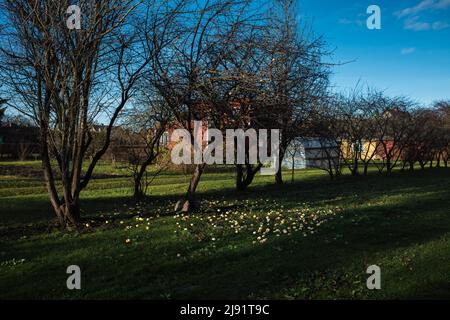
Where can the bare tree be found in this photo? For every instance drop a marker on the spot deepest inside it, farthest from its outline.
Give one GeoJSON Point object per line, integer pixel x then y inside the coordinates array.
{"type": "Point", "coordinates": [429, 136]}
{"type": "Point", "coordinates": [355, 124]}
{"type": "Point", "coordinates": [325, 125]}
{"type": "Point", "coordinates": [351, 128]}
{"type": "Point", "coordinates": [293, 151]}
{"type": "Point", "coordinates": [183, 66]}
{"type": "Point", "coordinates": [418, 145]}
{"type": "Point", "coordinates": [392, 121]}
{"type": "Point", "coordinates": [2, 110]}
{"type": "Point", "coordinates": [144, 127]}
{"type": "Point", "coordinates": [237, 90]}
{"type": "Point", "coordinates": [298, 75]}
{"type": "Point", "coordinates": [443, 109]}
{"type": "Point", "coordinates": [67, 79]}
{"type": "Point", "coordinates": [370, 101]}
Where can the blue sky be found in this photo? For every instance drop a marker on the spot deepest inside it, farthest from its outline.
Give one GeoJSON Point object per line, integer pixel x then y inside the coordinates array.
{"type": "Point", "coordinates": [410, 55]}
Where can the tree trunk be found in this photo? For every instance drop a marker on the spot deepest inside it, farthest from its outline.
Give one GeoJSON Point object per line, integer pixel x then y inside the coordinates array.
{"type": "Point", "coordinates": [293, 170]}
{"type": "Point", "coordinates": [279, 177]}
{"type": "Point", "coordinates": [244, 178]}
{"type": "Point", "coordinates": [388, 165]}
{"type": "Point", "coordinates": [189, 202]}
{"type": "Point", "coordinates": [355, 165]}
{"type": "Point", "coordinates": [331, 173]}
{"type": "Point", "coordinates": [330, 168]}
{"type": "Point", "coordinates": [279, 174]}
{"type": "Point", "coordinates": [67, 210]}
{"type": "Point", "coordinates": [366, 168]}
{"type": "Point", "coordinates": [404, 166]}
{"type": "Point", "coordinates": [69, 215]}
{"type": "Point", "coordinates": [422, 164]}
{"type": "Point", "coordinates": [240, 177]}
{"type": "Point", "coordinates": [138, 194]}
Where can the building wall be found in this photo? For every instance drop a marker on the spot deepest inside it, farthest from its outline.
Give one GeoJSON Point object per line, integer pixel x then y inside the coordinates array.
{"type": "Point", "coordinates": [310, 153]}
{"type": "Point", "coordinates": [367, 150]}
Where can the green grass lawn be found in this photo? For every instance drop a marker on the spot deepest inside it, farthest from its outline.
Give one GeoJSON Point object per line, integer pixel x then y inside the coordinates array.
{"type": "Point", "coordinates": [313, 239]}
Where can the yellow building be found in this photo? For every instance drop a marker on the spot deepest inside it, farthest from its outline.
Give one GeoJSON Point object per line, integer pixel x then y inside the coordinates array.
{"type": "Point", "coordinates": [367, 150]}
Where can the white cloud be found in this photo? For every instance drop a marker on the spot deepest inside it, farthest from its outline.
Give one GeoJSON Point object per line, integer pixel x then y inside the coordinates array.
{"type": "Point", "coordinates": [406, 51]}
{"type": "Point", "coordinates": [424, 5]}
{"type": "Point", "coordinates": [440, 25]}
{"type": "Point", "coordinates": [415, 25]}
{"type": "Point", "coordinates": [442, 4]}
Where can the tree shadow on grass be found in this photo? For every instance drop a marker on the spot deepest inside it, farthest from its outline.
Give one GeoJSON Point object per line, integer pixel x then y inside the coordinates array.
{"type": "Point", "coordinates": [285, 267]}
{"type": "Point", "coordinates": [314, 190]}
{"type": "Point", "coordinates": [287, 263]}
{"type": "Point", "coordinates": [288, 267]}
{"type": "Point", "coordinates": [37, 216]}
